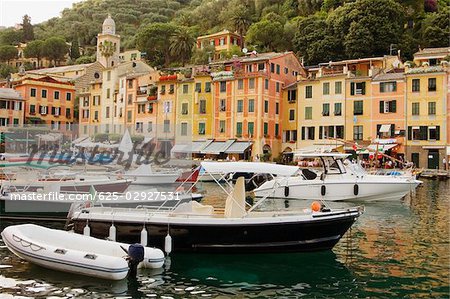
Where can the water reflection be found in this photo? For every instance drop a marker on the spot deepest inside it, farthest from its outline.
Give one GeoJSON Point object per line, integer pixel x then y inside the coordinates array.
{"type": "Point", "coordinates": [396, 249]}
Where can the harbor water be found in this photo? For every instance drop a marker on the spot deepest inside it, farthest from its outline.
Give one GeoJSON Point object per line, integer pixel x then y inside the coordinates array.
{"type": "Point", "coordinates": [394, 250]}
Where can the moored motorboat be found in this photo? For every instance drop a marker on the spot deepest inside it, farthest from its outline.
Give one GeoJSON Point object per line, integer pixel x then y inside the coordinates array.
{"type": "Point", "coordinates": [53, 204]}
{"type": "Point", "coordinates": [74, 253]}
{"type": "Point", "coordinates": [338, 181]}
{"type": "Point", "coordinates": [145, 175]}
{"type": "Point", "coordinates": [238, 228]}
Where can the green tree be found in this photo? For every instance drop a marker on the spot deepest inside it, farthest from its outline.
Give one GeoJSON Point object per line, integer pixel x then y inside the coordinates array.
{"type": "Point", "coordinates": [381, 20]}
{"type": "Point", "coordinates": [181, 44]}
{"type": "Point", "coordinates": [238, 17]}
{"type": "Point", "coordinates": [203, 56]}
{"type": "Point", "coordinates": [27, 28]}
{"type": "Point", "coordinates": [149, 40]}
{"type": "Point", "coordinates": [107, 49]}
{"type": "Point", "coordinates": [266, 35]}
{"type": "Point", "coordinates": [358, 42]}
{"type": "Point", "coordinates": [7, 52]}
{"type": "Point", "coordinates": [6, 70]}
{"type": "Point", "coordinates": [10, 36]}
{"type": "Point", "coordinates": [35, 49]}
{"type": "Point", "coordinates": [84, 59]}
{"type": "Point", "coordinates": [74, 50]}
{"type": "Point", "coordinates": [55, 49]}
{"type": "Point", "coordinates": [435, 29]}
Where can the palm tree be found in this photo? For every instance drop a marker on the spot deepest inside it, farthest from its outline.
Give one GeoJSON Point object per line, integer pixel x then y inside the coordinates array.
{"type": "Point", "coordinates": [107, 49]}
{"type": "Point", "coordinates": [181, 44]}
{"type": "Point", "coordinates": [240, 20]}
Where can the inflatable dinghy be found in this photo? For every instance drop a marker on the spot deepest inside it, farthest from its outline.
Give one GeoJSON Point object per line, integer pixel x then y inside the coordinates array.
{"type": "Point", "coordinates": [74, 253]}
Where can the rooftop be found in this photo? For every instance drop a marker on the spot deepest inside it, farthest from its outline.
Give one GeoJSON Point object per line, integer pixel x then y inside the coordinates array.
{"type": "Point", "coordinates": [62, 69]}
{"type": "Point", "coordinates": [10, 94]}
{"type": "Point", "coordinates": [389, 77]}
{"type": "Point", "coordinates": [223, 32]}
{"type": "Point", "coordinates": [435, 52]}
{"type": "Point", "coordinates": [252, 57]}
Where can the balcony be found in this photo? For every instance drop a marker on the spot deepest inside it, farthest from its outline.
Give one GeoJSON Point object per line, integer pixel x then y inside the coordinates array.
{"type": "Point", "coordinates": [424, 69]}
{"type": "Point", "coordinates": [141, 92]}
{"type": "Point", "coordinates": [223, 75]}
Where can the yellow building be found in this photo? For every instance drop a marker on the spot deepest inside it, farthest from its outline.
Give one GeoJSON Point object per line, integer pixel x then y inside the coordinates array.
{"type": "Point", "coordinates": [203, 119]}
{"type": "Point", "coordinates": [184, 109]}
{"type": "Point", "coordinates": [289, 117]}
{"type": "Point", "coordinates": [167, 113]}
{"type": "Point", "coordinates": [221, 41]}
{"type": "Point", "coordinates": [11, 108]}
{"type": "Point", "coordinates": [426, 106]}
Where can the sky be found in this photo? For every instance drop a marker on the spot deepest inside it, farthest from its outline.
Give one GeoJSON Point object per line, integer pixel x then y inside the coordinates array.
{"type": "Point", "coordinates": [12, 11]}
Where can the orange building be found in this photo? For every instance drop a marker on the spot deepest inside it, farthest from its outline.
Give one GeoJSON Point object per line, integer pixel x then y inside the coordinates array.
{"type": "Point", "coordinates": [221, 41]}
{"type": "Point", "coordinates": [47, 101]}
{"type": "Point", "coordinates": [247, 97]}
{"type": "Point", "coordinates": [11, 108]}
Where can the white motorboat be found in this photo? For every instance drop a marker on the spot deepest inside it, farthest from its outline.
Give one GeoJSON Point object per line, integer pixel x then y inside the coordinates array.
{"type": "Point", "coordinates": [338, 181]}
{"type": "Point", "coordinates": [240, 227]}
{"type": "Point", "coordinates": [67, 181]}
{"type": "Point", "coordinates": [74, 253]}
{"type": "Point", "coordinates": [51, 203]}
{"type": "Point", "coordinates": [145, 175]}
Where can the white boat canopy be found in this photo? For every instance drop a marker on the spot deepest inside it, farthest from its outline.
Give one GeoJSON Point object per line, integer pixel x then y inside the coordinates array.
{"type": "Point", "coordinates": [249, 167]}
{"type": "Point", "coordinates": [318, 155]}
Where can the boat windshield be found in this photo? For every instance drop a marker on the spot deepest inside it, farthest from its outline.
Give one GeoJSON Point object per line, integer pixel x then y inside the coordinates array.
{"type": "Point", "coordinates": [334, 166]}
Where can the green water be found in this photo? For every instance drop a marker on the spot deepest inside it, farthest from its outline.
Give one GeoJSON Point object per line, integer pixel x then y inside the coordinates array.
{"type": "Point", "coordinates": [395, 250]}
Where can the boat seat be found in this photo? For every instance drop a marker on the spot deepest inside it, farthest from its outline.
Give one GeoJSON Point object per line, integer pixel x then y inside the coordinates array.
{"type": "Point", "coordinates": [194, 208]}
{"type": "Point", "coordinates": [309, 174]}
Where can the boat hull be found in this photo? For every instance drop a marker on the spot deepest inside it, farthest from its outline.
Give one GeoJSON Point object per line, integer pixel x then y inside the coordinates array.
{"type": "Point", "coordinates": [58, 210]}
{"type": "Point", "coordinates": [338, 190]}
{"type": "Point", "coordinates": [119, 186]}
{"type": "Point", "coordinates": [153, 179]}
{"type": "Point", "coordinates": [235, 237]}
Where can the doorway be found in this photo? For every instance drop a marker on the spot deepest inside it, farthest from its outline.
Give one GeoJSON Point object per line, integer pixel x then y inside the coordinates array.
{"type": "Point", "coordinates": [433, 159]}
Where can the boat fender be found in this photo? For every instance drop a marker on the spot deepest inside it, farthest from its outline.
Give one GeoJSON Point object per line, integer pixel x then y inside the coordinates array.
{"type": "Point", "coordinates": [316, 206]}
{"type": "Point", "coordinates": [144, 237]}
{"type": "Point", "coordinates": [135, 256]}
{"type": "Point", "coordinates": [168, 244]}
{"type": "Point", "coordinates": [323, 190]}
{"type": "Point", "coordinates": [112, 233]}
{"type": "Point", "coordinates": [286, 191]}
{"type": "Point", "coordinates": [87, 230]}
{"type": "Point", "coordinates": [355, 189]}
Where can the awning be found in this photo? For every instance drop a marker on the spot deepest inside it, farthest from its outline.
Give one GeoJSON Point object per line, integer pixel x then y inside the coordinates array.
{"type": "Point", "coordinates": [217, 147]}
{"type": "Point", "coordinates": [385, 129]}
{"type": "Point", "coordinates": [239, 147]}
{"type": "Point", "coordinates": [319, 148]}
{"type": "Point", "coordinates": [194, 147]}
{"type": "Point", "coordinates": [249, 167]}
{"type": "Point", "coordinates": [381, 147]}
{"type": "Point", "coordinates": [80, 139]}
{"type": "Point", "coordinates": [180, 148]}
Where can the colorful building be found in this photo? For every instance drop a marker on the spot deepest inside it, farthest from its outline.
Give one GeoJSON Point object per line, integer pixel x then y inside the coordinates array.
{"type": "Point", "coordinates": [426, 108]}
{"type": "Point", "coordinates": [11, 108]}
{"type": "Point", "coordinates": [47, 101]}
{"type": "Point", "coordinates": [166, 118]}
{"type": "Point", "coordinates": [221, 41]}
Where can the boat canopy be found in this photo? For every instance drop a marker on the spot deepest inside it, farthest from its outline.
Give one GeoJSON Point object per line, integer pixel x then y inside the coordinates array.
{"type": "Point", "coordinates": [249, 167]}
{"type": "Point", "coordinates": [318, 155]}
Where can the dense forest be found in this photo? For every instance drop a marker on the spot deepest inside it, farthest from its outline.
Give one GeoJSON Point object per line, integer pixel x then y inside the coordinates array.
{"type": "Point", "coordinates": [317, 30]}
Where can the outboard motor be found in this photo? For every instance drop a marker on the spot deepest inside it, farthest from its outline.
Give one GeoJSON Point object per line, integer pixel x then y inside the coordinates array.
{"type": "Point", "coordinates": [135, 256]}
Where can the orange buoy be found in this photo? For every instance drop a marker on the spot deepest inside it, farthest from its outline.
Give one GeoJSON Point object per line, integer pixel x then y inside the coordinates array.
{"type": "Point", "coordinates": [316, 206]}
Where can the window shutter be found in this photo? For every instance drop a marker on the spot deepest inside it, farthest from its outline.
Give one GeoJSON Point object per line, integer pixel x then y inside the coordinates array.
{"type": "Point", "coordinates": [352, 88]}
{"type": "Point", "coordinates": [423, 133]}
{"type": "Point", "coordinates": [378, 129]}
{"type": "Point", "coordinates": [381, 106]}
{"type": "Point", "coordinates": [320, 132]}
{"type": "Point", "coordinates": [438, 133]}
{"type": "Point", "coordinates": [392, 130]}
{"type": "Point", "coordinates": [409, 133]}
{"type": "Point", "coordinates": [394, 106]}
{"type": "Point", "coordinates": [303, 133]}
{"type": "Point", "coordinates": [363, 88]}
{"type": "Point", "coordinates": [53, 110]}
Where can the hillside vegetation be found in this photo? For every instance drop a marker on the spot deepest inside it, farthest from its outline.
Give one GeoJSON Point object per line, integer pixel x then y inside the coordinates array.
{"type": "Point", "coordinates": [317, 30]}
